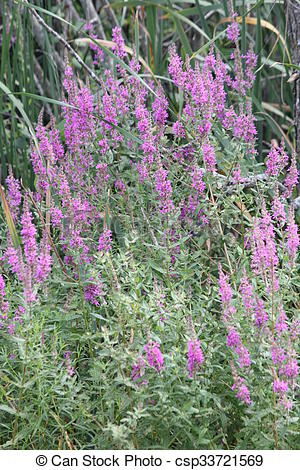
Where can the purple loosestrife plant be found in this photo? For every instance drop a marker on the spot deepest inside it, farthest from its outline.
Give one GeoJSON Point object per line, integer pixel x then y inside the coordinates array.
{"type": "Point", "coordinates": [153, 222]}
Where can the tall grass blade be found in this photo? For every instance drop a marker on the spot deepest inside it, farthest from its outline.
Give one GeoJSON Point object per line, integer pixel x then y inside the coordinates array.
{"type": "Point", "coordinates": [9, 220]}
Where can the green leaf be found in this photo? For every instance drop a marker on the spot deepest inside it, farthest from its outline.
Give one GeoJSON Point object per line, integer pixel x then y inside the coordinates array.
{"type": "Point", "coordinates": [156, 267]}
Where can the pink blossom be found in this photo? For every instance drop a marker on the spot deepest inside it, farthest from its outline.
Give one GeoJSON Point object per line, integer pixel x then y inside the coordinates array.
{"type": "Point", "coordinates": [233, 31]}
{"type": "Point", "coordinates": [15, 260]}
{"type": "Point", "coordinates": [209, 157]}
{"type": "Point", "coordinates": [233, 338]}
{"type": "Point", "coordinates": [292, 243]}
{"type": "Point", "coordinates": [292, 176]}
{"type": "Point", "coordinates": [280, 386]}
{"type": "Point", "coordinates": [243, 356]}
{"type": "Point", "coordinates": [56, 216]}
{"type": "Point", "coordinates": [138, 370]}
{"type": "Point", "coordinates": [281, 323]}
{"type": "Point", "coordinates": [93, 291]}
{"type": "Point", "coordinates": [175, 67]}
{"type": "Point", "coordinates": [244, 127]}
{"type": "Point", "coordinates": [119, 46]}
{"type": "Point", "coordinates": [250, 60]}
{"type": "Point", "coordinates": [264, 259]}
{"type": "Point", "coordinates": [242, 392]}
{"type": "Point", "coordinates": [278, 210]}
{"type": "Point", "coordinates": [154, 356]}
{"type": "Point", "coordinates": [14, 197]}
{"type": "Point", "coordinates": [195, 356]}
{"type": "Point", "coordinates": [178, 129]}
{"type": "Point", "coordinates": [4, 305]}
{"type": "Point", "coordinates": [228, 118]}
{"type": "Point", "coordinates": [120, 186]}
{"type": "Point", "coordinates": [278, 354]}
{"type": "Point", "coordinates": [68, 363]}
{"type": "Point", "coordinates": [159, 107]}
{"type": "Point", "coordinates": [277, 159]}
{"type": "Point", "coordinates": [164, 189]}
{"type": "Point", "coordinates": [226, 295]}
{"type": "Point", "coordinates": [44, 260]}
{"type": "Point", "coordinates": [28, 233]}
{"type": "Point", "coordinates": [246, 290]}
{"type": "Point", "coordinates": [261, 316]}
{"type": "Point", "coordinates": [291, 368]}
{"type": "Point", "coordinates": [105, 240]}
{"type": "Point", "coordinates": [197, 180]}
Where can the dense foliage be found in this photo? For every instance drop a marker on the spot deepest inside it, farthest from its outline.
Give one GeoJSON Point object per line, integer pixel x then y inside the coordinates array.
{"type": "Point", "coordinates": [149, 292]}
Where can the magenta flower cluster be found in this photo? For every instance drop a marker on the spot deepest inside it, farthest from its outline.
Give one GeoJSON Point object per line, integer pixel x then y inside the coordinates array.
{"type": "Point", "coordinates": [33, 265]}
{"type": "Point", "coordinates": [10, 319]}
{"type": "Point", "coordinates": [267, 316]}
{"type": "Point", "coordinates": [195, 356]}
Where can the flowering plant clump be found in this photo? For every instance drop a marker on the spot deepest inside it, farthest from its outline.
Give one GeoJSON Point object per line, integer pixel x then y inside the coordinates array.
{"type": "Point", "coordinates": [146, 226]}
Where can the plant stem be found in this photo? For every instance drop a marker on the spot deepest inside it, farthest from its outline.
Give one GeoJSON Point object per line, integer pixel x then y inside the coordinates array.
{"type": "Point", "coordinates": [84, 312]}
{"type": "Point", "coordinates": [20, 395]}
